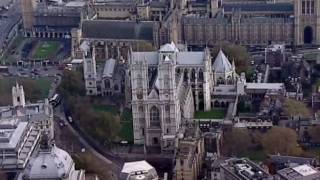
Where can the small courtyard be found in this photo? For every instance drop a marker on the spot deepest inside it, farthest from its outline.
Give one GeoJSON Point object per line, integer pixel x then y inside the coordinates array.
{"type": "Point", "coordinates": [46, 49]}
{"type": "Point", "coordinates": [213, 114]}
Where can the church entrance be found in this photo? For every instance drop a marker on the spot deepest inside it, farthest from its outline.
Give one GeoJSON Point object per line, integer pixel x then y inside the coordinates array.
{"type": "Point", "coordinates": [308, 35]}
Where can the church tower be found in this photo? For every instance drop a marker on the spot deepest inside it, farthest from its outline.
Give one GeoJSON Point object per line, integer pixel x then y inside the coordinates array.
{"type": "Point", "coordinates": [18, 98]}
{"type": "Point", "coordinates": [307, 22]}
{"type": "Point", "coordinates": [28, 7]}
{"type": "Point", "coordinates": [89, 68]}
{"type": "Point", "coordinates": [214, 5]}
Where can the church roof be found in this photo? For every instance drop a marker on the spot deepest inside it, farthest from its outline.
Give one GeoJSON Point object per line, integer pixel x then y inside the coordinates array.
{"type": "Point", "coordinates": [110, 29]}
{"type": "Point", "coordinates": [170, 47]}
{"type": "Point", "coordinates": [52, 164]}
{"type": "Point", "coordinates": [221, 63]}
{"type": "Point", "coordinates": [274, 7]}
{"type": "Point", "coordinates": [109, 68]}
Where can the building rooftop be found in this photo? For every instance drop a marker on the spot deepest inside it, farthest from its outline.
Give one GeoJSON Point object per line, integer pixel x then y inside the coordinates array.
{"type": "Point", "coordinates": [272, 7]}
{"type": "Point", "coordinates": [264, 86]}
{"type": "Point", "coordinates": [302, 172]}
{"type": "Point", "coordinates": [126, 30]}
{"type": "Point", "coordinates": [244, 169]}
{"type": "Point", "coordinates": [138, 170]}
{"type": "Point", "coordinates": [221, 63]}
{"type": "Point", "coordinates": [182, 57]}
{"type": "Point", "coordinates": [10, 137]}
{"type": "Point", "coordinates": [109, 68]}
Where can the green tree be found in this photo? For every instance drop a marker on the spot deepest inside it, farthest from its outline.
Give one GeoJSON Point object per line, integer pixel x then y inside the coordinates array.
{"type": "Point", "coordinates": [103, 126]}
{"type": "Point", "coordinates": [294, 108]}
{"type": "Point", "coordinates": [234, 52]}
{"type": "Point", "coordinates": [72, 84]}
{"type": "Point", "coordinates": [281, 140]}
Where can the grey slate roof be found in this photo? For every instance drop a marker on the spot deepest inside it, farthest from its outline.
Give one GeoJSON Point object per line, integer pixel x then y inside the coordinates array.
{"type": "Point", "coordinates": [221, 63]}
{"type": "Point", "coordinates": [290, 159]}
{"type": "Point", "coordinates": [277, 7]}
{"type": "Point", "coordinates": [106, 29]}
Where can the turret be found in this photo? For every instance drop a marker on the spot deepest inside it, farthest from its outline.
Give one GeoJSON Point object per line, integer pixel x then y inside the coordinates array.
{"type": "Point", "coordinates": [18, 98]}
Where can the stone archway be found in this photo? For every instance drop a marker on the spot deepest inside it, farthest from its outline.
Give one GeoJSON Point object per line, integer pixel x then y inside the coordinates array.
{"type": "Point", "coordinates": [308, 35]}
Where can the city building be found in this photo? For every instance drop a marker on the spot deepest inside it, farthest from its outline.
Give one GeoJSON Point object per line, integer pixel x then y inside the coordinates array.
{"type": "Point", "coordinates": [301, 172]}
{"type": "Point", "coordinates": [51, 162]}
{"type": "Point", "coordinates": [138, 170]}
{"type": "Point", "coordinates": [242, 169]}
{"type": "Point", "coordinates": [166, 87]}
{"type": "Point", "coordinates": [21, 125]}
{"type": "Point", "coordinates": [52, 19]}
{"type": "Point", "coordinates": [40, 114]}
{"type": "Point", "coordinates": [189, 155]}
{"type": "Point", "coordinates": [18, 140]}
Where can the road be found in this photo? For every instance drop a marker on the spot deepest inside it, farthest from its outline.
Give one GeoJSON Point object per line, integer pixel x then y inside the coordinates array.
{"type": "Point", "coordinates": [107, 158]}
{"type": "Point", "coordinates": [8, 19]}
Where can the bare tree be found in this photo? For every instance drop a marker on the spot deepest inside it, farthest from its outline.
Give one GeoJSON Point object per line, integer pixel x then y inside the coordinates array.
{"type": "Point", "coordinates": [281, 140]}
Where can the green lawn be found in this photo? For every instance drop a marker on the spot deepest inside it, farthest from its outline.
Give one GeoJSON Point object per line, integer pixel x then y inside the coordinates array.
{"type": "Point", "coordinates": [35, 89]}
{"type": "Point", "coordinates": [213, 114]}
{"type": "Point", "coordinates": [46, 49]}
{"type": "Point", "coordinates": [310, 56]}
{"type": "Point", "coordinates": [104, 108]}
{"type": "Point", "coordinates": [126, 132]}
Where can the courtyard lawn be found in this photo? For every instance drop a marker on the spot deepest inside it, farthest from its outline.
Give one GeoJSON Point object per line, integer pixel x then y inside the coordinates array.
{"type": "Point", "coordinates": [46, 49]}
{"type": "Point", "coordinates": [104, 108]}
{"type": "Point", "coordinates": [213, 114]}
{"type": "Point", "coordinates": [126, 132]}
{"type": "Point", "coordinates": [310, 56]}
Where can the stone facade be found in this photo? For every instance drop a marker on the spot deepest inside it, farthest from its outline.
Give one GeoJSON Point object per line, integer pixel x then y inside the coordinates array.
{"type": "Point", "coordinates": [168, 86]}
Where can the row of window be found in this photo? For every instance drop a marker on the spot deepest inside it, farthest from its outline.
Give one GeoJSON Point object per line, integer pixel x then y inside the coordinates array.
{"type": "Point", "coordinates": [307, 7]}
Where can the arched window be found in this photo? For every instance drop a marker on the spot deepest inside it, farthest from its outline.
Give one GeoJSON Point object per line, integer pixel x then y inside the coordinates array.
{"type": "Point", "coordinates": [116, 87]}
{"type": "Point", "coordinates": [107, 82]}
{"type": "Point", "coordinates": [200, 75]}
{"type": "Point", "coordinates": [154, 117]}
{"type": "Point", "coordinates": [220, 80]}
{"type": "Point", "coordinates": [167, 110]}
{"type": "Point", "coordinates": [139, 81]}
{"type": "Point", "coordinates": [141, 114]}
{"type": "Point", "coordinates": [166, 81]}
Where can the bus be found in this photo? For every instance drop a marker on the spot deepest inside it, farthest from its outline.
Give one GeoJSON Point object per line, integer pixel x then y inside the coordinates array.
{"type": "Point", "coordinates": [55, 100]}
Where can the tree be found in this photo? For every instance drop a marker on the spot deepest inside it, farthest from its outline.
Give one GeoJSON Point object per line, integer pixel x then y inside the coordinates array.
{"type": "Point", "coordinates": [234, 52]}
{"type": "Point", "coordinates": [236, 141]}
{"type": "Point", "coordinates": [72, 84]}
{"type": "Point", "coordinates": [281, 140]}
{"type": "Point", "coordinates": [101, 125]}
{"type": "Point", "coordinates": [294, 108]}
{"type": "Point", "coordinates": [314, 133]}
{"type": "Point", "coordinates": [32, 90]}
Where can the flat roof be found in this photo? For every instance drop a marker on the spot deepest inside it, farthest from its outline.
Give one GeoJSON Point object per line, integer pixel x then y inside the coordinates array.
{"type": "Point", "coordinates": [77, 61]}
{"type": "Point", "coordinates": [265, 86]}
{"type": "Point", "coordinates": [305, 170]}
{"type": "Point", "coordinates": [75, 4]}
{"type": "Point", "coordinates": [130, 167]}
{"type": "Point", "coordinates": [13, 135]}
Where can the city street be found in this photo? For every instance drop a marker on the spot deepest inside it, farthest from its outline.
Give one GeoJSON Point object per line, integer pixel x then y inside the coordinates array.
{"type": "Point", "coordinates": [8, 19]}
